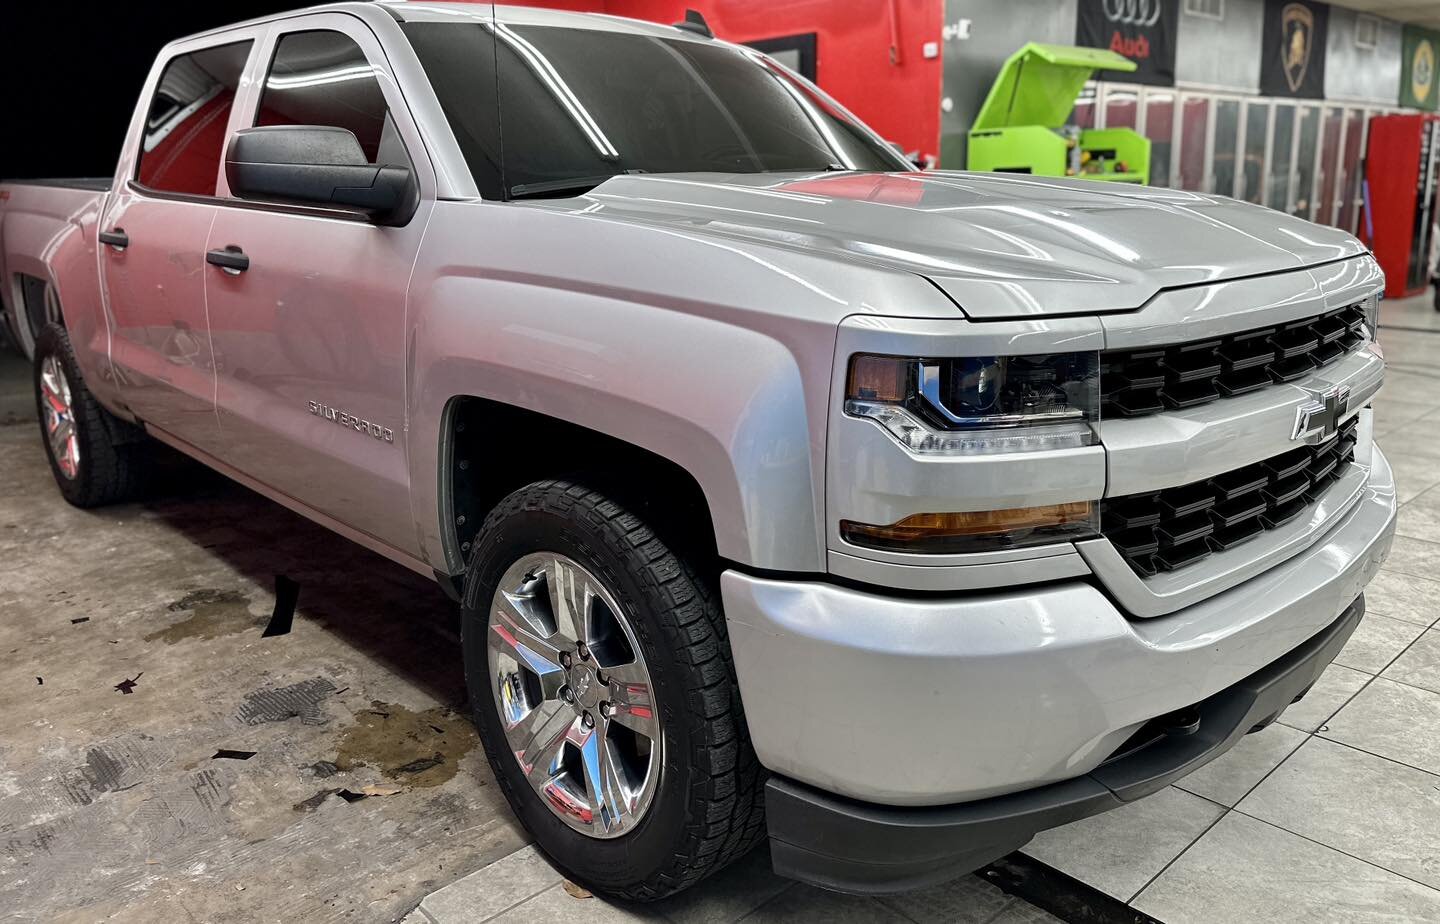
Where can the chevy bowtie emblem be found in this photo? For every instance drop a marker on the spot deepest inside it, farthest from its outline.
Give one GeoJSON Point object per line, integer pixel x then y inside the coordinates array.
{"type": "Point", "coordinates": [1317, 419]}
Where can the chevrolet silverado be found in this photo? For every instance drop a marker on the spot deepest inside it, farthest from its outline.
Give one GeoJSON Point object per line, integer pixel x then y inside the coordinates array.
{"type": "Point", "coordinates": [788, 492]}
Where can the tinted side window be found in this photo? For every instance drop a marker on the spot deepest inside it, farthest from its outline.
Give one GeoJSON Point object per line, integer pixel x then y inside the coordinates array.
{"type": "Point", "coordinates": [323, 78]}
{"type": "Point", "coordinates": [185, 126]}
{"type": "Point", "coordinates": [459, 59]}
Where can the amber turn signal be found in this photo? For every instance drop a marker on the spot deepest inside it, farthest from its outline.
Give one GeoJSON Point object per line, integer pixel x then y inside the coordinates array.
{"type": "Point", "coordinates": [978, 530]}
{"type": "Point", "coordinates": [879, 378]}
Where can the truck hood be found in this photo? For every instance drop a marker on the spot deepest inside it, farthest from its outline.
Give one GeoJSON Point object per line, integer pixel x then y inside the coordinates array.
{"type": "Point", "coordinates": [1001, 246]}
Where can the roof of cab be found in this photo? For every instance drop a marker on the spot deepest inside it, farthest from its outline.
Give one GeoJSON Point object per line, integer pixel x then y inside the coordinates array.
{"type": "Point", "coordinates": [477, 12]}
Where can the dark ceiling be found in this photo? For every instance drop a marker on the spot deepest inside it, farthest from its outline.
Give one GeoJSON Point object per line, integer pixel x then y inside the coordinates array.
{"type": "Point", "coordinates": [70, 73]}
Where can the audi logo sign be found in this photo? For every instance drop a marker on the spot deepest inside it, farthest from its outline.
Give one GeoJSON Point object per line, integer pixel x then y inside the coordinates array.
{"type": "Point", "coordinates": [1141, 30]}
{"type": "Point", "coordinates": [1142, 13]}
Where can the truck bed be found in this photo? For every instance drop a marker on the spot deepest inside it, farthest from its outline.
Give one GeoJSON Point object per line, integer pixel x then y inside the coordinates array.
{"type": "Point", "coordinates": [91, 183]}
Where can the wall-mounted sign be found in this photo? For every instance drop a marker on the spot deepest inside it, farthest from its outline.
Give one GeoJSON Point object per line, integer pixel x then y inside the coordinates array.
{"type": "Point", "coordinates": [1292, 50]}
{"type": "Point", "coordinates": [1141, 30]}
{"type": "Point", "coordinates": [1419, 48]}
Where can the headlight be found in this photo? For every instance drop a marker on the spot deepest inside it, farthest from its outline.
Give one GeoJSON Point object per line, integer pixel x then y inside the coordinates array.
{"type": "Point", "coordinates": [983, 404]}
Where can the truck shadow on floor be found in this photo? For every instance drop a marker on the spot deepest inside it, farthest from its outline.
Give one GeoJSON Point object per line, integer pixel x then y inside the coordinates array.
{"type": "Point", "coordinates": [385, 611]}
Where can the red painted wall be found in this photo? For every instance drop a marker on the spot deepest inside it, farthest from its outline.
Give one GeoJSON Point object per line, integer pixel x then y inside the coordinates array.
{"type": "Point", "coordinates": [869, 53]}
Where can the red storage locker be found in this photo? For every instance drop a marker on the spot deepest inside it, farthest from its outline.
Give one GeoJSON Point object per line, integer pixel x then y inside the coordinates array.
{"type": "Point", "coordinates": [1401, 162]}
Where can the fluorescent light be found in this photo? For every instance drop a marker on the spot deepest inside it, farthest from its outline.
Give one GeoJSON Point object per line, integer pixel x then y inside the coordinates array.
{"type": "Point", "coordinates": [321, 78]}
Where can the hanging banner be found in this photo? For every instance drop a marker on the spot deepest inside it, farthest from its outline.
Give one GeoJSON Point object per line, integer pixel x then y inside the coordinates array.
{"type": "Point", "coordinates": [1292, 51]}
{"type": "Point", "coordinates": [1141, 30]}
{"type": "Point", "coordinates": [1417, 68]}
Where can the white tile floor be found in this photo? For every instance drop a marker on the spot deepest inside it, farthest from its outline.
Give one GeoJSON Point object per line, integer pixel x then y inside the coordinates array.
{"type": "Point", "coordinates": [1331, 814]}
{"type": "Point", "coordinates": [524, 887]}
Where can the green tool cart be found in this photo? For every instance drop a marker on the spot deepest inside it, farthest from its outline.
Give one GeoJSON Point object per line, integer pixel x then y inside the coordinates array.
{"type": "Point", "coordinates": [1021, 128]}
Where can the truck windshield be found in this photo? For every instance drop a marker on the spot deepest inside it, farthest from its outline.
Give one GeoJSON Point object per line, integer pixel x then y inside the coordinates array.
{"type": "Point", "coordinates": [571, 107]}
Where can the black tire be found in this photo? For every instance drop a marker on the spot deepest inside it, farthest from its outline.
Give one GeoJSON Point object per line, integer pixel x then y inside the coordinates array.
{"type": "Point", "coordinates": [110, 464]}
{"type": "Point", "coordinates": [708, 808]}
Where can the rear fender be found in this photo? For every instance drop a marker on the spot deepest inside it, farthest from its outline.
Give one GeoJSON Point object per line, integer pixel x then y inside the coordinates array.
{"type": "Point", "coordinates": [62, 251]}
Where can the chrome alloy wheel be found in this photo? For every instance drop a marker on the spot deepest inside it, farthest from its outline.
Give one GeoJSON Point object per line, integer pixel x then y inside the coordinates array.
{"type": "Point", "coordinates": [59, 417]}
{"type": "Point", "coordinates": [574, 695]}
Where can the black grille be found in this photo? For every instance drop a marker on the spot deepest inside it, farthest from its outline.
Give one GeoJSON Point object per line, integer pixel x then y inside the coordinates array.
{"type": "Point", "coordinates": [1167, 530]}
{"type": "Point", "coordinates": [1138, 382]}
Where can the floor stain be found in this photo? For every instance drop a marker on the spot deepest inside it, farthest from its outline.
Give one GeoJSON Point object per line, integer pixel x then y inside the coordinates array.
{"type": "Point", "coordinates": [103, 770]}
{"type": "Point", "coordinates": [38, 839]}
{"type": "Point", "coordinates": [322, 769]}
{"type": "Point", "coordinates": [419, 749]}
{"type": "Point", "coordinates": [208, 790]}
{"type": "Point", "coordinates": [301, 700]}
{"type": "Point", "coordinates": [213, 613]}
{"type": "Point", "coordinates": [111, 767]}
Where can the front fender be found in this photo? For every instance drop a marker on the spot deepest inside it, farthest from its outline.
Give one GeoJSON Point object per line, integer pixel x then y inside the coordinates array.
{"type": "Point", "coordinates": [724, 403]}
{"type": "Point", "coordinates": [710, 351]}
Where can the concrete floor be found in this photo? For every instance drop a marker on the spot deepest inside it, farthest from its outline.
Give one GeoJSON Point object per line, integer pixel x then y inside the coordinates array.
{"type": "Point", "coordinates": [17, 396]}
{"type": "Point", "coordinates": [115, 806]}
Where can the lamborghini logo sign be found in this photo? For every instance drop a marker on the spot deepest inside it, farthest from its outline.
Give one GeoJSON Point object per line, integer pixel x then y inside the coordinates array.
{"type": "Point", "coordinates": [1297, 25]}
{"type": "Point", "coordinates": [1422, 71]}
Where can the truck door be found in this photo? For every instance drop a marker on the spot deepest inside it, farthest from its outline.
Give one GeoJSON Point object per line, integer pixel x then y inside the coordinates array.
{"type": "Point", "coordinates": [309, 337]}
{"type": "Point", "coordinates": [153, 237]}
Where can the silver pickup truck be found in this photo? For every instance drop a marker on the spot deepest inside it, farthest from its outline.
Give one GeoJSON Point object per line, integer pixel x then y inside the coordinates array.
{"type": "Point", "coordinates": [788, 492]}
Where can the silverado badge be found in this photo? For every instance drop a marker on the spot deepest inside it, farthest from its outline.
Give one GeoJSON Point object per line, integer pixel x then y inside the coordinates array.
{"type": "Point", "coordinates": [357, 424]}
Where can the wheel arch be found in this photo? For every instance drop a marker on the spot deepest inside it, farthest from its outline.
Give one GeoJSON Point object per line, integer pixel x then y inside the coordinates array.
{"type": "Point", "coordinates": [39, 298]}
{"type": "Point", "coordinates": [26, 292]}
{"type": "Point", "coordinates": [473, 478]}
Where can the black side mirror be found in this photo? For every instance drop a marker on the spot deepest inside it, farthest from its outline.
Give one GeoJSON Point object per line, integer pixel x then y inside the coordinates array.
{"type": "Point", "coordinates": [316, 164]}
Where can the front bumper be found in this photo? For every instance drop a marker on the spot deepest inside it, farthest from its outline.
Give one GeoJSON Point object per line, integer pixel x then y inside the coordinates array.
{"type": "Point", "coordinates": [856, 847]}
{"type": "Point", "coordinates": [931, 701]}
